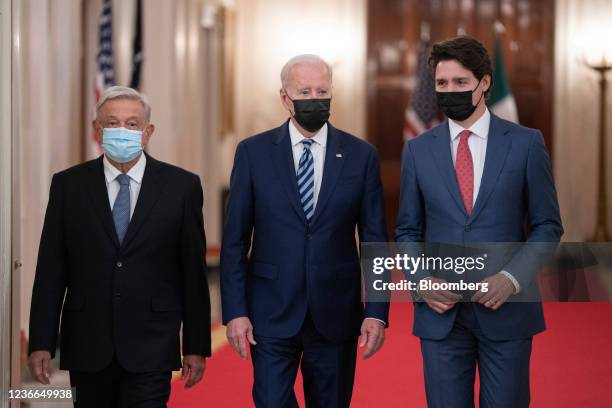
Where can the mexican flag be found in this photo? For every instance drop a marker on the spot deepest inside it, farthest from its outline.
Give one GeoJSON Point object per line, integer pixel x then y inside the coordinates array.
{"type": "Point", "coordinates": [501, 101]}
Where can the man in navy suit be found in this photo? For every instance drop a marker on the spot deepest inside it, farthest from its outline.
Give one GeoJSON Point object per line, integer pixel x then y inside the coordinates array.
{"type": "Point", "coordinates": [290, 271]}
{"type": "Point", "coordinates": [477, 178]}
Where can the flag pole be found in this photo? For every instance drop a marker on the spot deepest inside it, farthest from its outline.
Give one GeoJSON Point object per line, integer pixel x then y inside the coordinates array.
{"type": "Point", "coordinates": [425, 31]}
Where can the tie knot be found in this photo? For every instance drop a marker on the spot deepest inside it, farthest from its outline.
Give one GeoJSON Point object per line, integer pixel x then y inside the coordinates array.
{"type": "Point", "coordinates": [123, 179]}
{"type": "Point", "coordinates": [465, 134]}
{"type": "Point", "coordinates": [307, 143]}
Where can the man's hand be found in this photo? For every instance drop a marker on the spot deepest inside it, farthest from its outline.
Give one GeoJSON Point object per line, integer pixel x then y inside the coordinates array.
{"type": "Point", "coordinates": [499, 289]}
{"type": "Point", "coordinates": [39, 363]}
{"type": "Point", "coordinates": [372, 334]}
{"type": "Point", "coordinates": [193, 369]}
{"type": "Point", "coordinates": [239, 332]}
{"type": "Point", "coordinates": [439, 300]}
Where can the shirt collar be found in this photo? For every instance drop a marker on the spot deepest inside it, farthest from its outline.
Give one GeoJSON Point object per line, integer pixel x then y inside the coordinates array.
{"type": "Point", "coordinates": [297, 137]}
{"type": "Point", "coordinates": [136, 173]}
{"type": "Point", "coordinates": [480, 128]}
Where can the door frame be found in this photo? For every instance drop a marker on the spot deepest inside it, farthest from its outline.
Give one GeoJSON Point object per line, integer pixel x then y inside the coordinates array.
{"type": "Point", "coordinates": [6, 185]}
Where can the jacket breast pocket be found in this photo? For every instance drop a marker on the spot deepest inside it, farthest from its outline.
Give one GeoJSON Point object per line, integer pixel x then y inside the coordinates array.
{"type": "Point", "coordinates": [264, 270]}
{"type": "Point", "coordinates": [349, 270]}
{"type": "Point", "coordinates": [513, 168]}
{"type": "Point", "coordinates": [166, 304]}
{"type": "Point", "coordinates": [512, 175]}
{"type": "Point", "coordinates": [74, 303]}
{"type": "Point", "coordinates": [348, 180]}
{"type": "Point", "coordinates": [513, 171]}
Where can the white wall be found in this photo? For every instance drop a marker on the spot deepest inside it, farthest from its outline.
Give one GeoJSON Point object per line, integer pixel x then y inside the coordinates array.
{"type": "Point", "coordinates": [174, 78]}
{"type": "Point", "coordinates": [49, 117]}
{"type": "Point", "coordinates": [272, 31]}
{"type": "Point", "coordinates": [580, 25]}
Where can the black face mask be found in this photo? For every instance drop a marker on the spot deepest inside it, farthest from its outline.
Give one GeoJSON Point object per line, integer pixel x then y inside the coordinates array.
{"type": "Point", "coordinates": [457, 105]}
{"type": "Point", "coordinates": [311, 114]}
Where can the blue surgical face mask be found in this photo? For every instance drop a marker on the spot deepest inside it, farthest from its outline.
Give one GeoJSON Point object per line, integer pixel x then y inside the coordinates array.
{"type": "Point", "coordinates": [121, 144]}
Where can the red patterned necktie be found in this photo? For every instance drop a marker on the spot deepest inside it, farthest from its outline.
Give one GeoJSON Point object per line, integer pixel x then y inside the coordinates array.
{"type": "Point", "coordinates": [464, 169]}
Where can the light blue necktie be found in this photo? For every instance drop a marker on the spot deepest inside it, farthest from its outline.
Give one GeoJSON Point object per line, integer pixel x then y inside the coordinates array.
{"type": "Point", "coordinates": [121, 208]}
{"type": "Point", "coordinates": [305, 177]}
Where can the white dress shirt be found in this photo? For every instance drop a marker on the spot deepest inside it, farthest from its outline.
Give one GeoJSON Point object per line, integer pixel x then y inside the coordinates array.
{"type": "Point", "coordinates": [318, 154]}
{"type": "Point", "coordinates": [478, 147]}
{"type": "Point", "coordinates": [135, 174]}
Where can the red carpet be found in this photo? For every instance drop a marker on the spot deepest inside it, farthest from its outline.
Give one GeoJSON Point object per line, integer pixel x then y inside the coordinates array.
{"type": "Point", "coordinates": [571, 366]}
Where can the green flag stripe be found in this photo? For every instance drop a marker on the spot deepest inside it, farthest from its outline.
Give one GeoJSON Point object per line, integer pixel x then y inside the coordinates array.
{"type": "Point", "coordinates": [501, 86]}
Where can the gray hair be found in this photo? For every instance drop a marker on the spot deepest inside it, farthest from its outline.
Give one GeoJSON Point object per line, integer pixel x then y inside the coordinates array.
{"type": "Point", "coordinates": [299, 60]}
{"type": "Point", "coordinates": [123, 92]}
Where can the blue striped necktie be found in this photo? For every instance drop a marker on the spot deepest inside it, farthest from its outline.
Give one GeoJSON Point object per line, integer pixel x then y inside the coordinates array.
{"type": "Point", "coordinates": [121, 208]}
{"type": "Point", "coordinates": [305, 177]}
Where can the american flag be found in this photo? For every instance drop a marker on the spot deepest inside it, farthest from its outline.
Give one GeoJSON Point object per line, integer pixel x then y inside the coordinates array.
{"type": "Point", "coordinates": [137, 54]}
{"type": "Point", "coordinates": [422, 113]}
{"type": "Point", "coordinates": [105, 75]}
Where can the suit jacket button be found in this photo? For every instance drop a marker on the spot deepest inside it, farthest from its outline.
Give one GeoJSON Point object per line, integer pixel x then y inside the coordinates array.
{"type": "Point", "coordinates": [308, 236]}
{"type": "Point", "coordinates": [468, 228]}
{"type": "Point", "coordinates": [119, 264]}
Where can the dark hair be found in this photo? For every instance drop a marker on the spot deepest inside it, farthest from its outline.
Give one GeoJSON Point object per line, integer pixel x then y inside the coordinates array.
{"type": "Point", "coordinates": [468, 51]}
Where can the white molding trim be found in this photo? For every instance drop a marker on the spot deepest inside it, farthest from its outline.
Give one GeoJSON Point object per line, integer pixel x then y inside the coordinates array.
{"type": "Point", "coordinates": [6, 182]}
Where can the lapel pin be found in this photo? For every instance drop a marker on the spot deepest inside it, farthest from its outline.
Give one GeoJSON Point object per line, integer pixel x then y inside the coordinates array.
{"type": "Point", "coordinates": [338, 154]}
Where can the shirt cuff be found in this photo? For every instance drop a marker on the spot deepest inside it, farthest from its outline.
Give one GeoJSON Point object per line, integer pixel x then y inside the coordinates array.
{"type": "Point", "coordinates": [517, 287]}
{"type": "Point", "coordinates": [373, 318]}
{"type": "Point", "coordinates": [418, 296]}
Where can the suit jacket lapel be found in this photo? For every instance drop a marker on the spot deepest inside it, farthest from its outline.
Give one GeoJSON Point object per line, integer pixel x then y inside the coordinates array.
{"type": "Point", "coordinates": [332, 167]}
{"type": "Point", "coordinates": [152, 184]}
{"type": "Point", "coordinates": [498, 147]}
{"type": "Point", "coordinates": [441, 150]}
{"type": "Point", "coordinates": [99, 198]}
{"type": "Point", "coordinates": [282, 156]}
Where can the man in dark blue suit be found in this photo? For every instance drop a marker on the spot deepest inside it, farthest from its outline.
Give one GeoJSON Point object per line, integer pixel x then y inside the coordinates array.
{"type": "Point", "coordinates": [290, 271]}
{"type": "Point", "coordinates": [477, 178]}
